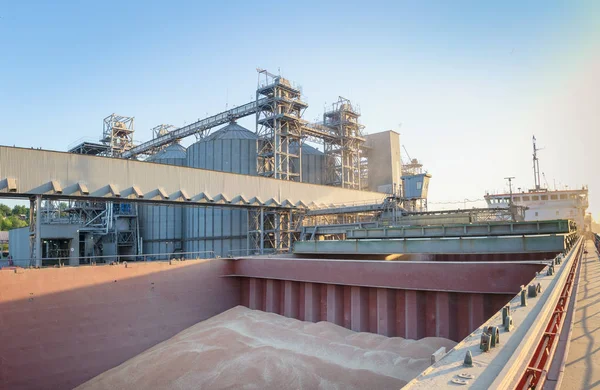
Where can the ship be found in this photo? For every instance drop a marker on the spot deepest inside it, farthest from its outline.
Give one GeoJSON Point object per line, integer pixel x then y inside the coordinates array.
{"type": "Point", "coordinates": [226, 265]}
{"type": "Point", "coordinates": [544, 204]}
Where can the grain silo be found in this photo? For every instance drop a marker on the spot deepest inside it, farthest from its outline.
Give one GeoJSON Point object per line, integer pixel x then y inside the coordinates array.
{"type": "Point", "coordinates": [313, 164]}
{"type": "Point", "coordinates": [161, 226]}
{"type": "Point", "coordinates": [220, 229]}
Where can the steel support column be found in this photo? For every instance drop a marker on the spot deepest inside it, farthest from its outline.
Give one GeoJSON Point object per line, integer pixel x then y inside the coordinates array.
{"type": "Point", "coordinates": [262, 231]}
{"type": "Point", "coordinates": [38, 230]}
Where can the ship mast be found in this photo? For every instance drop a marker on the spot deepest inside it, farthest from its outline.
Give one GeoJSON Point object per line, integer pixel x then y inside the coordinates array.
{"type": "Point", "coordinates": [536, 167]}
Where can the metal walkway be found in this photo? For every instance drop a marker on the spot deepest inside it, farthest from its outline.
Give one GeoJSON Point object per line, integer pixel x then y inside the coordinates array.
{"type": "Point", "coordinates": [582, 370]}
{"type": "Point", "coordinates": [467, 230]}
{"type": "Point", "coordinates": [471, 245]}
{"type": "Point", "coordinates": [499, 237]}
{"type": "Point", "coordinates": [197, 127]}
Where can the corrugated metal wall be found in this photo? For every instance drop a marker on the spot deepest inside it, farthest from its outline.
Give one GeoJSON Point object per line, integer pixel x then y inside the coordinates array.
{"type": "Point", "coordinates": [18, 246]}
{"type": "Point", "coordinates": [222, 230]}
{"type": "Point", "coordinates": [230, 149]}
{"type": "Point", "coordinates": [161, 227]}
{"type": "Point", "coordinates": [313, 165]}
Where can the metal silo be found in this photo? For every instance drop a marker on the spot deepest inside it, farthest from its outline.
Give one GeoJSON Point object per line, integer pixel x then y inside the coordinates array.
{"type": "Point", "coordinates": [174, 154]}
{"type": "Point", "coordinates": [220, 229]}
{"type": "Point", "coordinates": [161, 226]}
{"type": "Point", "coordinates": [313, 165]}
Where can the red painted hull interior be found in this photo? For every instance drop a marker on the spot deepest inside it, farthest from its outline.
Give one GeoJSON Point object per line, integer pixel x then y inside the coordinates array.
{"type": "Point", "coordinates": [390, 312]}
{"type": "Point", "coordinates": [63, 326]}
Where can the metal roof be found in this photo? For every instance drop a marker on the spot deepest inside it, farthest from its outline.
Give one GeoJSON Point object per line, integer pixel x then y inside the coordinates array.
{"type": "Point", "coordinates": [306, 149]}
{"type": "Point", "coordinates": [231, 131]}
{"type": "Point", "coordinates": [3, 236]}
{"type": "Point", "coordinates": [172, 151]}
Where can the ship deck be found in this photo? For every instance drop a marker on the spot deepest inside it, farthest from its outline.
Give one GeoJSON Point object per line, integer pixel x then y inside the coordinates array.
{"type": "Point", "coordinates": [582, 369]}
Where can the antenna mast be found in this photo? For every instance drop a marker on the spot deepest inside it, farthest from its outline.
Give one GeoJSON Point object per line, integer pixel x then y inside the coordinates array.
{"type": "Point", "coordinates": [545, 180]}
{"type": "Point", "coordinates": [510, 202]}
{"type": "Point", "coordinates": [536, 167]}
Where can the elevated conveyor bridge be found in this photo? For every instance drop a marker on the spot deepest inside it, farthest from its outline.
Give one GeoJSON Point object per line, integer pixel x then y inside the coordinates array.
{"type": "Point", "coordinates": [196, 128]}
{"type": "Point", "coordinates": [313, 131]}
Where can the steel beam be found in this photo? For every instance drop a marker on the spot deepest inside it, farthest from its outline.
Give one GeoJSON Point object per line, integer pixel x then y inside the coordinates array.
{"type": "Point", "coordinates": [467, 230]}
{"type": "Point", "coordinates": [476, 277]}
{"type": "Point", "coordinates": [333, 229]}
{"type": "Point", "coordinates": [540, 243]}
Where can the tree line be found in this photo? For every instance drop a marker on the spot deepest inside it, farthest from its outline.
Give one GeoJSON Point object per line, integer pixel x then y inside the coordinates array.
{"type": "Point", "coordinates": [14, 218]}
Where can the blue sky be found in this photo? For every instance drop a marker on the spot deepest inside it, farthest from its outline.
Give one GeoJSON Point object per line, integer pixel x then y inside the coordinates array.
{"type": "Point", "coordinates": [466, 83]}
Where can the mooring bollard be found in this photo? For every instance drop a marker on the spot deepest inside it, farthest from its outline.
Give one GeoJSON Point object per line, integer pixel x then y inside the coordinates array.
{"type": "Point", "coordinates": [485, 342]}
{"type": "Point", "coordinates": [523, 298]}
{"type": "Point", "coordinates": [505, 313]}
{"type": "Point", "coordinates": [532, 291]}
{"type": "Point", "coordinates": [494, 333]}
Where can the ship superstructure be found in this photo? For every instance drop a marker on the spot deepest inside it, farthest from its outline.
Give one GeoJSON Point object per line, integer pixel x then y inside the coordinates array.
{"type": "Point", "coordinates": [542, 204]}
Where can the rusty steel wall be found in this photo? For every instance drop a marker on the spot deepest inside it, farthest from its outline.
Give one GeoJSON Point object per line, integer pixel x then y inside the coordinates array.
{"type": "Point", "coordinates": [411, 314]}
{"type": "Point", "coordinates": [61, 327]}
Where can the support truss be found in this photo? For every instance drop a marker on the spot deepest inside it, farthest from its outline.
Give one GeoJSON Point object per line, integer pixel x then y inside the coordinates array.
{"type": "Point", "coordinates": [346, 167]}
{"type": "Point", "coordinates": [279, 126]}
{"type": "Point", "coordinates": [273, 230]}
{"type": "Point", "coordinates": [117, 134]}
